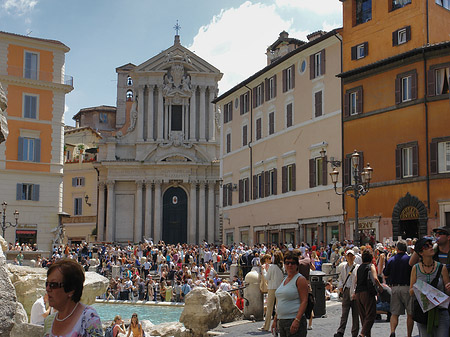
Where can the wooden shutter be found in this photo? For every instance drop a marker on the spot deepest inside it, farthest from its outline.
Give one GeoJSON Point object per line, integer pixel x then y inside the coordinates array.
{"type": "Point", "coordinates": [398, 91]}
{"type": "Point", "coordinates": [289, 115]}
{"type": "Point", "coordinates": [228, 142]}
{"type": "Point", "coordinates": [398, 163]}
{"type": "Point", "coordinates": [266, 183]}
{"type": "Point", "coordinates": [258, 128]}
{"type": "Point", "coordinates": [283, 179]}
{"type": "Point", "coordinates": [293, 76]}
{"type": "Point", "coordinates": [230, 194]}
{"type": "Point", "coordinates": [224, 195]}
{"type": "Point", "coordinates": [395, 38]}
{"type": "Point", "coordinates": [254, 96]}
{"type": "Point", "coordinates": [267, 91]}
{"type": "Point", "coordinates": [359, 100]}
{"type": "Point", "coordinates": [415, 160]}
{"type": "Point", "coordinates": [19, 192]}
{"type": "Point", "coordinates": [353, 52]}
{"type": "Point", "coordinates": [346, 104]}
{"type": "Point", "coordinates": [433, 158]}
{"type": "Point", "coordinates": [255, 187]}
{"type": "Point", "coordinates": [241, 104]}
{"type": "Point", "coordinates": [274, 86]}
{"type": "Point", "coordinates": [284, 75]}
{"type": "Point", "coordinates": [414, 86]}
{"type": "Point", "coordinates": [322, 62]}
{"type": "Point", "coordinates": [318, 103]}
{"type": "Point", "coordinates": [241, 191]}
{"type": "Point", "coordinates": [431, 82]}
{"type": "Point", "coordinates": [347, 170]}
{"type": "Point", "coordinates": [408, 33]}
{"type": "Point", "coordinates": [36, 193]}
{"type": "Point", "coordinates": [262, 185]}
{"type": "Point", "coordinates": [294, 177]}
{"type": "Point", "coordinates": [366, 49]}
{"type": "Point", "coordinates": [74, 182]}
{"type": "Point", "coordinates": [244, 135]}
{"type": "Point", "coordinates": [262, 92]}
{"type": "Point", "coordinates": [311, 67]}
{"type": "Point", "coordinates": [37, 150]}
{"type": "Point", "coordinates": [275, 181]}
{"type": "Point", "coordinates": [324, 171]}
{"type": "Point", "coordinates": [271, 123]}
{"type": "Point", "coordinates": [82, 181]}
{"type": "Point", "coordinates": [312, 173]}
{"type": "Point", "coordinates": [247, 194]}
{"type": "Point", "coordinates": [20, 149]}
{"type": "Point", "coordinates": [230, 116]}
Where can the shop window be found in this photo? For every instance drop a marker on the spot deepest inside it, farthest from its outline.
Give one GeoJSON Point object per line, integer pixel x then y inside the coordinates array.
{"type": "Point", "coordinates": [27, 192]}
{"type": "Point", "coordinates": [406, 160]}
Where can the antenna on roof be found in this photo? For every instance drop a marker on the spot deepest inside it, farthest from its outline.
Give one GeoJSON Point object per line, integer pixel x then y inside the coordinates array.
{"type": "Point", "coordinates": [29, 32]}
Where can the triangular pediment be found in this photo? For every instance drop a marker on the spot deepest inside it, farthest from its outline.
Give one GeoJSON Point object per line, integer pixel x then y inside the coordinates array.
{"type": "Point", "coordinates": [177, 54]}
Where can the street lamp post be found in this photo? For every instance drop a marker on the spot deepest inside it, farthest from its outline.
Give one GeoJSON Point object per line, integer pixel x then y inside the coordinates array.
{"type": "Point", "coordinates": [357, 189]}
{"type": "Point", "coordinates": [6, 224]}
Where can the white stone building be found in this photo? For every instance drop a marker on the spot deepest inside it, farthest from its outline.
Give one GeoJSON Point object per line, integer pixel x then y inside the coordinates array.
{"type": "Point", "coordinates": [158, 172]}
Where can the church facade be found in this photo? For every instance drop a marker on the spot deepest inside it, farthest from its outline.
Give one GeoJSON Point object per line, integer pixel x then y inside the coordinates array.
{"type": "Point", "coordinates": [159, 170]}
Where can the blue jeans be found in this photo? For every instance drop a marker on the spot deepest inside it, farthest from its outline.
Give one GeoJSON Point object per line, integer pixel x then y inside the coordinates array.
{"type": "Point", "coordinates": [441, 330]}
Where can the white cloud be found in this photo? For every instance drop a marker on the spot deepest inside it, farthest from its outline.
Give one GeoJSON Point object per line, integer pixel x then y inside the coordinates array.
{"type": "Point", "coordinates": [235, 41]}
{"type": "Point", "coordinates": [325, 6]}
{"type": "Point", "coordinates": [19, 7]}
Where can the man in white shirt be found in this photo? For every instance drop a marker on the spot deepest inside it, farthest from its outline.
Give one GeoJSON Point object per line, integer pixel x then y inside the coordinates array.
{"type": "Point", "coordinates": [347, 276]}
{"type": "Point", "coordinates": [39, 311]}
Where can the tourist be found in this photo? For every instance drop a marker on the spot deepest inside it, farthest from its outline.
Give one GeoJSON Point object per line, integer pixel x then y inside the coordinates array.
{"type": "Point", "coordinates": [64, 287]}
{"type": "Point", "coordinates": [135, 327]}
{"type": "Point", "coordinates": [292, 299]}
{"type": "Point", "coordinates": [360, 291]}
{"type": "Point", "coordinates": [427, 270]}
{"type": "Point", "coordinates": [39, 310]}
{"type": "Point", "coordinates": [346, 279]}
{"type": "Point", "coordinates": [273, 273]}
{"type": "Point", "coordinates": [118, 326]}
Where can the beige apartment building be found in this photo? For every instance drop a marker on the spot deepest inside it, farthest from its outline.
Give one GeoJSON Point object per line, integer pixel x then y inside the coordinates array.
{"type": "Point", "coordinates": [280, 130]}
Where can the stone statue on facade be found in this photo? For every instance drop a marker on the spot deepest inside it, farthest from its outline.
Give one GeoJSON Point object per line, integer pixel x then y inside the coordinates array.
{"type": "Point", "coordinates": [176, 82]}
{"type": "Point", "coordinates": [133, 115]}
{"type": "Point", "coordinates": [3, 123]}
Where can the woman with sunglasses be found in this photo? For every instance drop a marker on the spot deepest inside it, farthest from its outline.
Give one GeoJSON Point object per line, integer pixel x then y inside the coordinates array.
{"type": "Point", "coordinates": [135, 327]}
{"type": "Point", "coordinates": [64, 287]}
{"type": "Point", "coordinates": [292, 299]}
{"type": "Point", "coordinates": [427, 270]}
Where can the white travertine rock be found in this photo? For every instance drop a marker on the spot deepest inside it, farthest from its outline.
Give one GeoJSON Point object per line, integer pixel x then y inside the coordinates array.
{"type": "Point", "coordinates": [230, 312]}
{"type": "Point", "coordinates": [201, 311]}
{"type": "Point", "coordinates": [29, 283]}
{"type": "Point", "coordinates": [3, 244]}
{"type": "Point", "coordinates": [21, 314]}
{"type": "Point", "coordinates": [167, 329]}
{"type": "Point", "coordinates": [8, 300]}
{"type": "Point", "coordinates": [27, 329]}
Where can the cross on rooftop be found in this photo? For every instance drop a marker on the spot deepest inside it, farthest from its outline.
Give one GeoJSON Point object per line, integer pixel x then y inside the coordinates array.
{"type": "Point", "coordinates": [177, 27]}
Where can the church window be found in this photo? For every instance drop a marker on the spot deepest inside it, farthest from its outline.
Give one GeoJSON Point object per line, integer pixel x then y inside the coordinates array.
{"type": "Point", "coordinates": [177, 118]}
{"type": "Point", "coordinates": [129, 95]}
{"type": "Point", "coordinates": [129, 81]}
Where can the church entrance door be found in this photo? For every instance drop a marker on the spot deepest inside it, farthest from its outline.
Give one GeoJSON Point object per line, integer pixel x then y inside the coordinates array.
{"type": "Point", "coordinates": [174, 216]}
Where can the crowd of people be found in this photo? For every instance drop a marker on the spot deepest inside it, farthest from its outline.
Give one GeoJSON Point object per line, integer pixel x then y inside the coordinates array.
{"type": "Point", "coordinates": [370, 279]}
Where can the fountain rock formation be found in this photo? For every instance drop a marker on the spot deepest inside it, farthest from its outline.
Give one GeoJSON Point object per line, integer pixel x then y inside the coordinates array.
{"type": "Point", "coordinates": [201, 312]}
{"type": "Point", "coordinates": [3, 123]}
{"type": "Point", "coordinates": [230, 312]}
{"type": "Point", "coordinates": [8, 299]}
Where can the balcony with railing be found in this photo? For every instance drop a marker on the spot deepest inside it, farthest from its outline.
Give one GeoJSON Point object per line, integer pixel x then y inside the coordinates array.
{"type": "Point", "coordinates": [33, 74]}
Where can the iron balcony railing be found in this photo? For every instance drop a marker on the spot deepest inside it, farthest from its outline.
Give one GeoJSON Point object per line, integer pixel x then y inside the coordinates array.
{"type": "Point", "coordinates": [38, 75]}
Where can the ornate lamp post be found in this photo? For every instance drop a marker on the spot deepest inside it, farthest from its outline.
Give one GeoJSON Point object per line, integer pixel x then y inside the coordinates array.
{"type": "Point", "coordinates": [6, 224]}
{"type": "Point", "coordinates": [359, 187]}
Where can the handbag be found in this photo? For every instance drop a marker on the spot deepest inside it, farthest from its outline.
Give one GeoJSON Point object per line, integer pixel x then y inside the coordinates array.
{"type": "Point", "coordinates": [263, 286]}
{"type": "Point", "coordinates": [310, 305]}
{"type": "Point", "coordinates": [418, 315]}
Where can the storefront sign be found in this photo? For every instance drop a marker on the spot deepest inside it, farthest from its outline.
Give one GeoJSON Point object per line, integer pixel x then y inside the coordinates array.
{"type": "Point", "coordinates": [366, 225]}
{"type": "Point", "coordinates": [409, 213]}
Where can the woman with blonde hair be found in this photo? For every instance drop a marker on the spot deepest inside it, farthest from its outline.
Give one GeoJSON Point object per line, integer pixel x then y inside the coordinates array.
{"type": "Point", "coordinates": [118, 326]}
{"type": "Point", "coordinates": [135, 327]}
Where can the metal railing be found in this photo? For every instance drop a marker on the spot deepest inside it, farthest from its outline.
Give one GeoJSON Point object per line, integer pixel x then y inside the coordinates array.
{"type": "Point", "coordinates": [37, 75]}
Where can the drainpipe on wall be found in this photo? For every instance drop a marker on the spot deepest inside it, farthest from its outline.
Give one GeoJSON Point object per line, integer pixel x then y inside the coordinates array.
{"type": "Point", "coordinates": [249, 144]}
{"type": "Point", "coordinates": [425, 100]}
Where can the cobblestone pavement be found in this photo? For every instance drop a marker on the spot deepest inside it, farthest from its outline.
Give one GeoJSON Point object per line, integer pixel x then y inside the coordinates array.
{"type": "Point", "coordinates": [322, 327]}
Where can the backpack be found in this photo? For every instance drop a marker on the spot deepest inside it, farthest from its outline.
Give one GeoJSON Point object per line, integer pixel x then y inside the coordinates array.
{"type": "Point", "coordinates": [371, 285]}
{"type": "Point", "coordinates": [109, 331]}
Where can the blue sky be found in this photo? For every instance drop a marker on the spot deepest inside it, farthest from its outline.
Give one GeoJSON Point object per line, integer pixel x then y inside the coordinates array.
{"type": "Point", "coordinates": [232, 35]}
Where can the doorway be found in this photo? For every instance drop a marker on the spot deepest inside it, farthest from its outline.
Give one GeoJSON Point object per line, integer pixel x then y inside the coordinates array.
{"type": "Point", "coordinates": [174, 216]}
{"type": "Point", "coordinates": [409, 228]}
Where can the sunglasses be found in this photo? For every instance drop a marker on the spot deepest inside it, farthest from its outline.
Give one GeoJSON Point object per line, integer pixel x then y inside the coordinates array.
{"type": "Point", "coordinates": [292, 263]}
{"type": "Point", "coordinates": [54, 285]}
{"type": "Point", "coordinates": [440, 233]}
{"type": "Point", "coordinates": [427, 245]}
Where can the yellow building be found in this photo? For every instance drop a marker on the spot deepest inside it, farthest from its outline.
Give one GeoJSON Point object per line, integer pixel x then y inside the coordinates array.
{"type": "Point", "coordinates": [31, 159]}
{"type": "Point", "coordinates": [80, 183]}
{"type": "Point", "coordinates": [276, 123]}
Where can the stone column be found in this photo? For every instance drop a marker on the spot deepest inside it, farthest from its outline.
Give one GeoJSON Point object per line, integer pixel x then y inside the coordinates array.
{"type": "Point", "coordinates": [212, 129]}
{"type": "Point", "coordinates": [148, 210]}
{"type": "Point", "coordinates": [192, 112]}
{"type": "Point", "coordinates": [140, 119]}
{"type": "Point", "coordinates": [160, 113]}
{"type": "Point", "coordinates": [137, 233]}
{"type": "Point", "coordinates": [167, 120]}
{"type": "Point", "coordinates": [211, 209]}
{"type": "Point", "coordinates": [202, 113]}
{"type": "Point", "coordinates": [158, 219]}
{"type": "Point", "coordinates": [192, 212]}
{"type": "Point", "coordinates": [110, 215]}
{"type": "Point", "coordinates": [201, 213]}
{"type": "Point", "coordinates": [101, 212]}
{"type": "Point", "coordinates": [150, 113]}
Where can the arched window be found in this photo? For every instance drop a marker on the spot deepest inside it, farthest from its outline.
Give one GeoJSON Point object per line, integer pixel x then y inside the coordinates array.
{"type": "Point", "coordinates": [129, 81]}
{"type": "Point", "coordinates": [129, 95]}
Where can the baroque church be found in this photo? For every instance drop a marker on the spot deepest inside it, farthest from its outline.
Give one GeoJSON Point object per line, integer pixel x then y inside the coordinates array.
{"type": "Point", "coordinates": [159, 170]}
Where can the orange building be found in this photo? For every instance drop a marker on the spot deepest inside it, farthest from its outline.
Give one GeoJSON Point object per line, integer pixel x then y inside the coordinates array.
{"type": "Point", "coordinates": [31, 159]}
{"type": "Point", "coordinates": [396, 113]}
